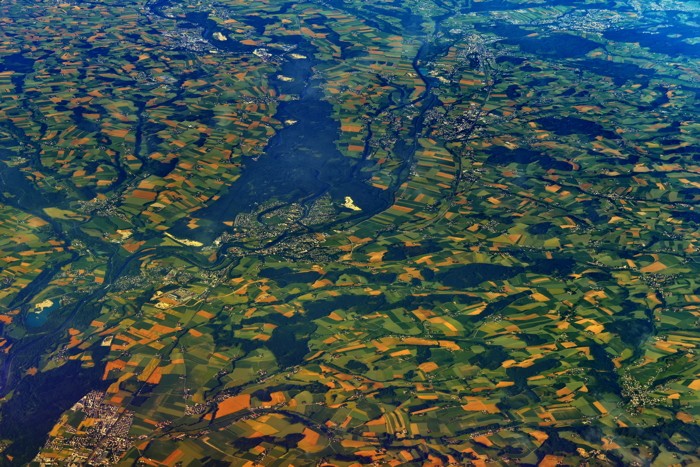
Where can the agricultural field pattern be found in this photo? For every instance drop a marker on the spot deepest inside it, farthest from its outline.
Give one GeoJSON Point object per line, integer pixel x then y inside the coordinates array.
{"type": "Point", "coordinates": [265, 233]}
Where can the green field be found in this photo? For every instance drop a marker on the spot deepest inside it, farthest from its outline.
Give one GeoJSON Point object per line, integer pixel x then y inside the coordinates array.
{"type": "Point", "coordinates": [183, 280]}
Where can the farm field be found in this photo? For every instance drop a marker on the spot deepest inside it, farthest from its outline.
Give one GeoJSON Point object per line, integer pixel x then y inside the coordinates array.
{"type": "Point", "coordinates": [345, 233]}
